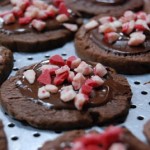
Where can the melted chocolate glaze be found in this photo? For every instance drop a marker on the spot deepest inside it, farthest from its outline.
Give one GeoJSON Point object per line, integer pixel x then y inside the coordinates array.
{"type": "Point", "coordinates": [121, 46]}
{"type": "Point", "coordinates": [99, 96]}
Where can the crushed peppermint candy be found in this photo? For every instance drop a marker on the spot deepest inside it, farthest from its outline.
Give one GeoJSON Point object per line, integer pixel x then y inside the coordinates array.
{"type": "Point", "coordinates": [110, 139]}
{"type": "Point", "coordinates": [113, 29]}
{"type": "Point", "coordinates": [74, 82]}
{"type": "Point", "coordinates": [35, 13]}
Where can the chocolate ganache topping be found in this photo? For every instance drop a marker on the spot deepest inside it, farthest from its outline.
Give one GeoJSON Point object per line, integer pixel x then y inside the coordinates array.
{"type": "Point", "coordinates": [16, 28]}
{"type": "Point", "coordinates": [99, 96]}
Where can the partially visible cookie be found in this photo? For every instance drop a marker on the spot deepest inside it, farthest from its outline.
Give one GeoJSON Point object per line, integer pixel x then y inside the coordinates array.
{"type": "Point", "coordinates": [6, 63]}
{"type": "Point", "coordinates": [67, 94]}
{"type": "Point", "coordinates": [96, 7]}
{"type": "Point", "coordinates": [113, 138]}
{"type": "Point", "coordinates": [122, 43]}
{"type": "Point", "coordinates": [32, 26]}
{"type": "Point", "coordinates": [3, 140]}
{"type": "Point", "coordinates": [147, 130]}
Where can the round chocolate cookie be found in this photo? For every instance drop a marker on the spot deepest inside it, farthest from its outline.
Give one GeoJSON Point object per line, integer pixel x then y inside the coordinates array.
{"type": "Point", "coordinates": [32, 26]}
{"type": "Point", "coordinates": [3, 140]}
{"type": "Point", "coordinates": [147, 130]}
{"type": "Point", "coordinates": [109, 7]}
{"type": "Point", "coordinates": [122, 43]}
{"type": "Point", "coordinates": [6, 63]}
{"type": "Point", "coordinates": [52, 95]}
{"type": "Point", "coordinates": [113, 138]}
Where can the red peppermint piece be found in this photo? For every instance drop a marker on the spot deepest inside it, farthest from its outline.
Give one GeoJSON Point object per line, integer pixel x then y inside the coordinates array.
{"type": "Point", "coordinates": [86, 89]}
{"type": "Point", "coordinates": [60, 78]}
{"type": "Point", "coordinates": [17, 12]}
{"type": "Point", "coordinates": [70, 60]}
{"type": "Point", "coordinates": [63, 9]}
{"type": "Point", "coordinates": [111, 135]}
{"type": "Point", "coordinates": [25, 20]}
{"type": "Point", "coordinates": [57, 60]}
{"type": "Point", "coordinates": [90, 139]}
{"type": "Point", "coordinates": [91, 83]}
{"type": "Point", "coordinates": [44, 78]}
{"type": "Point", "coordinates": [52, 71]}
{"type": "Point", "coordinates": [51, 14]}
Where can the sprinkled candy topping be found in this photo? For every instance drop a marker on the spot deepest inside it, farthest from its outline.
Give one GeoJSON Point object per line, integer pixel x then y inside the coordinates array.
{"type": "Point", "coordinates": [72, 78]}
{"type": "Point", "coordinates": [35, 13]}
{"type": "Point", "coordinates": [110, 139]}
{"type": "Point", "coordinates": [129, 24]}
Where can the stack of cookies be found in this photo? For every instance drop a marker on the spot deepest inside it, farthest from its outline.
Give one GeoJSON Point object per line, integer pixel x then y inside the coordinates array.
{"type": "Point", "coordinates": [79, 91]}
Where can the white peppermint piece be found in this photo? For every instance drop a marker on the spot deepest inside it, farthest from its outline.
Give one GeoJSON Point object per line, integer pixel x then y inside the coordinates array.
{"type": "Point", "coordinates": [105, 28]}
{"type": "Point", "coordinates": [51, 88]}
{"type": "Point", "coordinates": [117, 146]}
{"type": "Point", "coordinates": [136, 39]}
{"type": "Point", "coordinates": [71, 76]}
{"type": "Point", "coordinates": [67, 88]}
{"type": "Point", "coordinates": [71, 27]}
{"type": "Point", "coordinates": [128, 27]}
{"type": "Point", "coordinates": [100, 70]}
{"type": "Point", "coordinates": [30, 75]}
{"type": "Point", "coordinates": [78, 81]}
{"type": "Point", "coordinates": [91, 25]}
{"type": "Point", "coordinates": [117, 24]}
{"type": "Point", "coordinates": [111, 37]}
{"type": "Point", "coordinates": [40, 4]}
{"type": "Point", "coordinates": [106, 19]}
{"type": "Point", "coordinates": [62, 18]}
{"type": "Point", "coordinates": [9, 18]}
{"type": "Point", "coordinates": [130, 15]}
{"type": "Point", "coordinates": [75, 63]}
{"type": "Point", "coordinates": [48, 67]}
{"type": "Point", "coordinates": [38, 24]}
{"type": "Point", "coordinates": [142, 23]}
{"type": "Point", "coordinates": [148, 19]}
{"type": "Point", "coordinates": [42, 93]}
{"type": "Point", "coordinates": [98, 80]}
{"type": "Point", "coordinates": [84, 68]}
{"type": "Point", "coordinates": [68, 95]}
{"type": "Point", "coordinates": [62, 70]}
{"type": "Point", "coordinates": [141, 15]}
{"type": "Point", "coordinates": [80, 100]}
{"type": "Point", "coordinates": [52, 8]}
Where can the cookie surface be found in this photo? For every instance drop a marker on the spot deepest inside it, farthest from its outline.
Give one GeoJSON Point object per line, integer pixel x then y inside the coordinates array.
{"type": "Point", "coordinates": [147, 130]}
{"type": "Point", "coordinates": [6, 63]}
{"type": "Point", "coordinates": [96, 7]}
{"type": "Point", "coordinates": [3, 140]}
{"type": "Point", "coordinates": [122, 54]}
{"type": "Point", "coordinates": [67, 140]}
{"type": "Point", "coordinates": [24, 37]}
{"type": "Point", "coordinates": [108, 104]}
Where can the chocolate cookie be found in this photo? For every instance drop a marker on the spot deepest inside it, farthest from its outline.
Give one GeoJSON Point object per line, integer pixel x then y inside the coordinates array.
{"type": "Point", "coordinates": [112, 138]}
{"type": "Point", "coordinates": [3, 140]}
{"type": "Point", "coordinates": [122, 43]}
{"type": "Point", "coordinates": [96, 7]}
{"type": "Point", "coordinates": [31, 26]}
{"type": "Point", "coordinates": [6, 63]}
{"type": "Point", "coordinates": [147, 130]}
{"type": "Point", "coordinates": [56, 96]}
